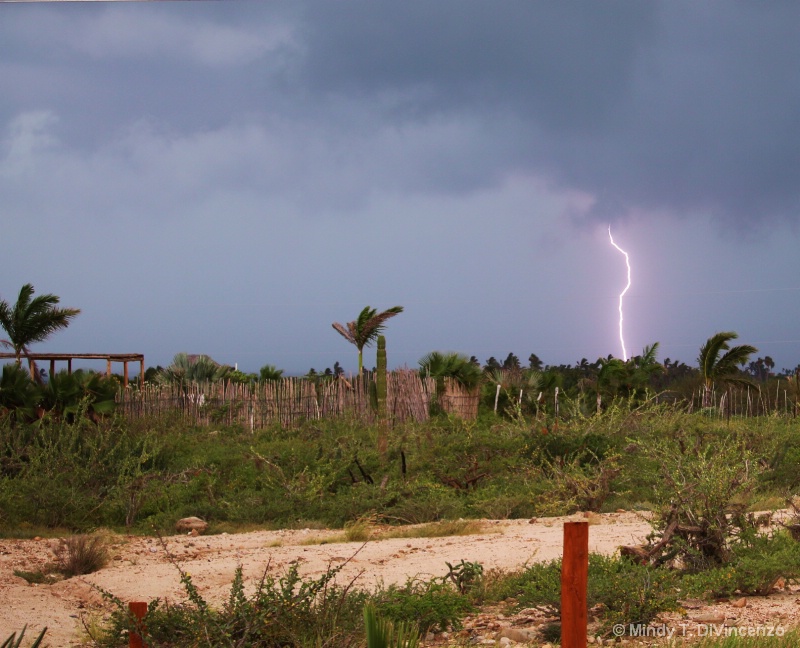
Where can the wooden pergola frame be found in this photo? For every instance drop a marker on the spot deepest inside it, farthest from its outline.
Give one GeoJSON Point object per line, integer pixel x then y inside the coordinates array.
{"type": "Point", "coordinates": [124, 358]}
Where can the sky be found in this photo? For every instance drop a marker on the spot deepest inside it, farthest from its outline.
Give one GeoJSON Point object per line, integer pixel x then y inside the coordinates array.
{"type": "Point", "coordinates": [230, 178]}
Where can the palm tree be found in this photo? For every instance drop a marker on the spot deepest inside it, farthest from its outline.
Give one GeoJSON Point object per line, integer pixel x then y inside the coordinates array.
{"type": "Point", "coordinates": [644, 367]}
{"type": "Point", "coordinates": [270, 372]}
{"type": "Point", "coordinates": [439, 365]}
{"type": "Point", "coordinates": [193, 368]}
{"type": "Point", "coordinates": [32, 320]}
{"type": "Point", "coordinates": [716, 368]}
{"type": "Point", "coordinates": [366, 329]}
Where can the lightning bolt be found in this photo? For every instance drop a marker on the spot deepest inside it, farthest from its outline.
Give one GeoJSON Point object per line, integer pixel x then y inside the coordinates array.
{"type": "Point", "coordinates": [622, 294]}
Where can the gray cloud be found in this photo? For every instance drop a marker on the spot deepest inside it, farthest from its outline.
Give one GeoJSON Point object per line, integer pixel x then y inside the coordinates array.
{"type": "Point", "coordinates": [230, 177]}
{"type": "Point", "coordinates": [650, 106]}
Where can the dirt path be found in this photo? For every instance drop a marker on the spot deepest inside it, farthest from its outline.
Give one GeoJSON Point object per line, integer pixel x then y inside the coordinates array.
{"type": "Point", "coordinates": [141, 570]}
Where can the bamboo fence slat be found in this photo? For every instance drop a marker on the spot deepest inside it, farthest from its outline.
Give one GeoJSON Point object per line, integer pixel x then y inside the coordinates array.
{"type": "Point", "coordinates": [291, 401]}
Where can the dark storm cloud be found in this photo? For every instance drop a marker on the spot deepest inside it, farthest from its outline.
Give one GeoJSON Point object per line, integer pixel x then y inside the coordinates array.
{"type": "Point", "coordinates": [674, 106]}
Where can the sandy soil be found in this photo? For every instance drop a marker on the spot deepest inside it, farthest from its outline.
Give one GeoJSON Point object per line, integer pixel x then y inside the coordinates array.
{"type": "Point", "coordinates": [141, 570]}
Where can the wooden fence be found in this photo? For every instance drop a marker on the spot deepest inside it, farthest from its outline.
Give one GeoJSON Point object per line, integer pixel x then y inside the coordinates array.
{"type": "Point", "coordinates": [290, 401]}
{"type": "Point", "coordinates": [780, 398]}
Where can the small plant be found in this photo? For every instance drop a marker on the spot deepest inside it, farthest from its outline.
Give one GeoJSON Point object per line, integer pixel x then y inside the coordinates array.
{"type": "Point", "coordinates": [465, 575]}
{"type": "Point", "coordinates": [382, 633]}
{"type": "Point", "coordinates": [624, 591]}
{"type": "Point", "coordinates": [361, 530]}
{"type": "Point", "coordinates": [757, 563]}
{"type": "Point", "coordinates": [37, 577]}
{"type": "Point", "coordinates": [289, 611]}
{"type": "Point", "coordinates": [15, 642]}
{"type": "Point", "coordinates": [551, 632]}
{"type": "Point", "coordinates": [81, 554]}
{"type": "Point", "coordinates": [434, 605]}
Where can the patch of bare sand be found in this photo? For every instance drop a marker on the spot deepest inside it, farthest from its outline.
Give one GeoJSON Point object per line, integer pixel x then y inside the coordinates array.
{"type": "Point", "coordinates": [141, 570]}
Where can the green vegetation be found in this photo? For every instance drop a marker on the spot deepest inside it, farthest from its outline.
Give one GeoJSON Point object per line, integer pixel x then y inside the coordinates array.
{"type": "Point", "coordinates": [15, 641]}
{"type": "Point", "coordinates": [722, 369]}
{"type": "Point", "coordinates": [382, 633]}
{"type": "Point", "coordinates": [31, 320]}
{"type": "Point", "coordinates": [733, 637]}
{"type": "Point", "coordinates": [547, 441]}
{"type": "Point", "coordinates": [365, 329]}
{"type": "Point", "coordinates": [699, 476]}
{"type": "Point", "coordinates": [84, 472]}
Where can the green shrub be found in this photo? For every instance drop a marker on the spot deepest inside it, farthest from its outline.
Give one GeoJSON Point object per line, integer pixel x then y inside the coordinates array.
{"type": "Point", "coordinates": [630, 593]}
{"type": "Point", "coordinates": [77, 475]}
{"type": "Point", "coordinates": [382, 633]}
{"type": "Point", "coordinates": [433, 605]}
{"type": "Point", "coordinates": [624, 591]}
{"type": "Point", "coordinates": [757, 562]}
{"type": "Point", "coordinates": [706, 479]}
{"type": "Point", "coordinates": [287, 612]}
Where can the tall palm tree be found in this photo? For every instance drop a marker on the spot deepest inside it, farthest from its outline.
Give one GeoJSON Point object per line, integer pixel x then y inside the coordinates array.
{"type": "Point", "coordinates": [366, 329]}
{"type": "Point", "coordinates": [32, 320]}
{"type": "Point", "coordinates": [722, 368]}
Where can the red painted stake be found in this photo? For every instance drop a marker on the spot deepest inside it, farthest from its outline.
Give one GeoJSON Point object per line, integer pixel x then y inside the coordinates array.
{"type": "Point", "coordinates": [574, 579]}
{"type": "Point", "coordinates": [138, 609]}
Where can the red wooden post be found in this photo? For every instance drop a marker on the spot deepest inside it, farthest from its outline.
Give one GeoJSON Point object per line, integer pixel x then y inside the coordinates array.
{"type": "Point", "coordinates": [138, 609]}
{"type": "Point", "coordinates": [574, 579]}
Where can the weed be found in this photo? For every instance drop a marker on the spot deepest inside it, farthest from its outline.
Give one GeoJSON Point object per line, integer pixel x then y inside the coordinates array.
{"type": "Point", "coordinates": [37, 577]}
{"type": "Point", "coordinates": [15, 642]}
{"type": "Point", "coordinates": [81, 554]}
{"type": "Point", "coordinates": [625, 592]}
{"type": "Point", "coordinates": [766, 637]}
{"type": "Point", "coordinates": [382, 633]}
{"type": "Point", "coordinates": [434, 604]}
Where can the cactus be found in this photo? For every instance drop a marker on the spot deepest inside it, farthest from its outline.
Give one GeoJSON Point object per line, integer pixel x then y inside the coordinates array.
{"type": "Point", "coordinates": [380, 377]}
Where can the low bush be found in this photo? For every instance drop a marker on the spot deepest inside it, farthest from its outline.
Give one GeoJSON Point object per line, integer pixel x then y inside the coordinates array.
{"type": "Point", "coordinates": [621, 591]}
{"type": "Point", "coordinates": [433, 605]}
{"type": "Point", "coordinates": [382, 633]}
{"type": "Point", "coordinates": [284, 612]}
{"type": "Point", "coordinates": [757, 563]}
{"type": "Point", "coordinates": [81, 554]}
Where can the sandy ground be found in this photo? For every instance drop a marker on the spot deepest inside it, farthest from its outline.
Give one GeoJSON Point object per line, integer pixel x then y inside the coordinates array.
{"type": "Point", "coordinates": [140, 570]}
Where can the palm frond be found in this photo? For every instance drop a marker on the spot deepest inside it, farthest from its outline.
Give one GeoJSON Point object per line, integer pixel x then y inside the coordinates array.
{"type": "Point", "coordinates": [709, 352]}
{"type": "Point", "coordinates": [344, 332]}
{"type": "Point", "coordinates": [730, 362]}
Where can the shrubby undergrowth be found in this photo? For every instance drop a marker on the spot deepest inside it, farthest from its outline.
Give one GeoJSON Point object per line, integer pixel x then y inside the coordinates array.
{"type": "Point", "coordinates": [146, 474]}
{"type": "Point", "coordinates": [700, 477]}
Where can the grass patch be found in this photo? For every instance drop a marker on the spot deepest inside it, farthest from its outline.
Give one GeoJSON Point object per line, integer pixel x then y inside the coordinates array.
{"type": "Point", "coordinates": [737, 638]}
{"type": "Point", "coordinates": [81, 554]}
{"type": "Point", "coordinates": [37, 577]}
{"type": "Point", "coordinates": [442, 529]}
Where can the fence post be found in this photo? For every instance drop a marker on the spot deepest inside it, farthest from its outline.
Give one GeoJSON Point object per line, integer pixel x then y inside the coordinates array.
{"type": "Point", "coordinates": [574, 579]}
{"type": "Point", "coordinates": [138, 609]}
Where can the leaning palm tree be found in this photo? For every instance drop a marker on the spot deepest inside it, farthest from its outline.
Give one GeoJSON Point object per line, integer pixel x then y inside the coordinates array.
{"type": "Point", "coordinates": [366, 329]}
{"type": "Point", "coordinates": [722, 368]}
{"type": "Point", "coordinates": [32, 320]}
